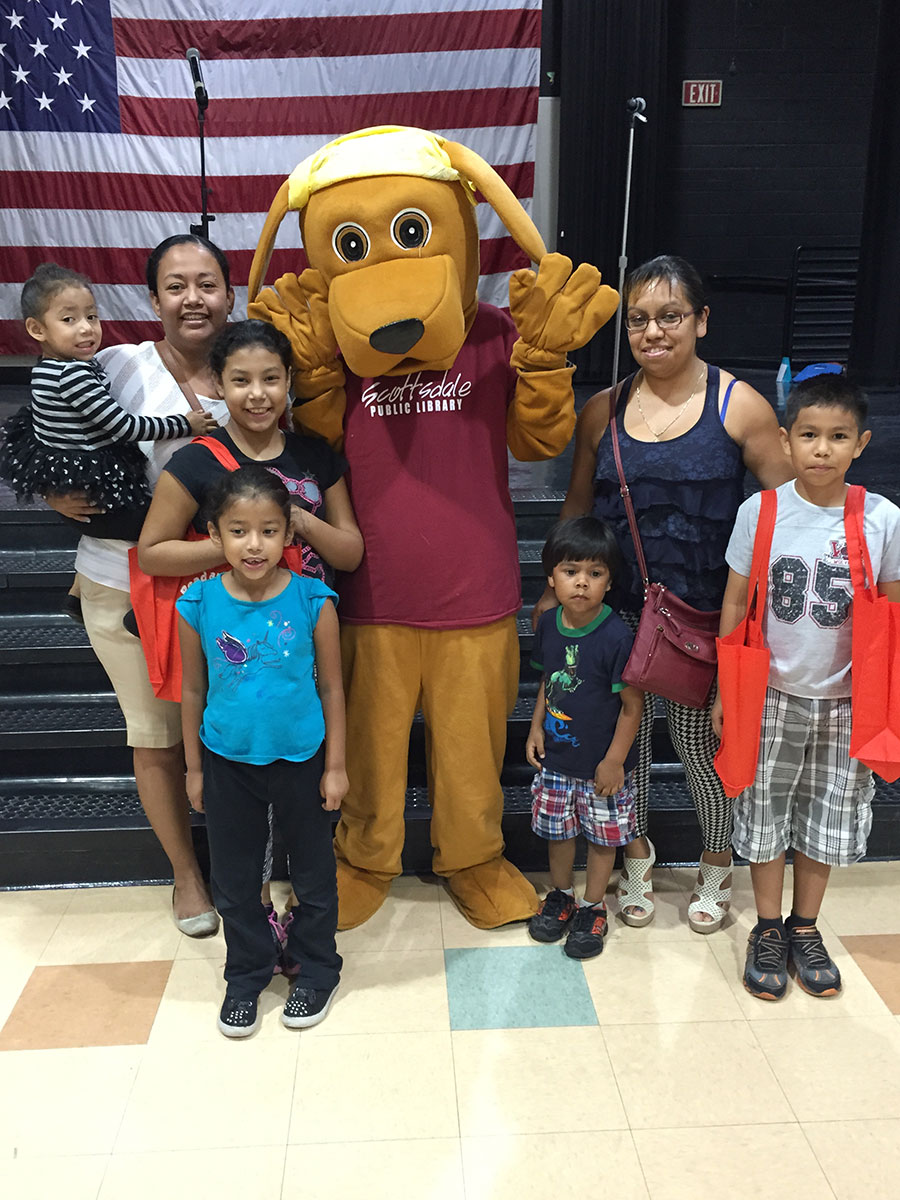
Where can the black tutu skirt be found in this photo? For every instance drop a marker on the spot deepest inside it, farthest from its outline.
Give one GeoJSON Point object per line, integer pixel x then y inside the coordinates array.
{"type": "Point", "coordinates": [113, 478]}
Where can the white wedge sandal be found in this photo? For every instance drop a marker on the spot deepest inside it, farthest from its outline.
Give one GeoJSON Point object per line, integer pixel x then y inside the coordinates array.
{"type": "Point", "coordinates": [635, 888]}
{"type": "Point", "coordinates": [712, 898]}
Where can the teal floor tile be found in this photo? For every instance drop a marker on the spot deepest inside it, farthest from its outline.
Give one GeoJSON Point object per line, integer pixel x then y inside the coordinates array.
{"type": "Point", "coordinates": [516, 987]}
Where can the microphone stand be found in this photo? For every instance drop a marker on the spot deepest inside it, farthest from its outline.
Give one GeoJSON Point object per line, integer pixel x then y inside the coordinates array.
{"type": "Point", "coordinates": [202, 228]}
{"type": "Point", "coordinates": [636, 106]}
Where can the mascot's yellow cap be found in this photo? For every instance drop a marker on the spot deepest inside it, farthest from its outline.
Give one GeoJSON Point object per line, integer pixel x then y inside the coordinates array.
{"type": "Point", "coordinates": [380, 150]}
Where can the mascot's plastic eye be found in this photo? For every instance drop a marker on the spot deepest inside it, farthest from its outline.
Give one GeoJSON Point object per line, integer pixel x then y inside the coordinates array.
{"type": "Point", "coordinates": [350, 242]}
{"type": "Point", "coordinates": [410, 229]}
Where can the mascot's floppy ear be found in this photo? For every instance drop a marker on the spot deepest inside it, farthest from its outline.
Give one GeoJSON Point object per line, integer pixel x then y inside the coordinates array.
{"type": "Point", "coordinates": [277, 212]}
{"type": "Point", "coordinates": [500, 197]}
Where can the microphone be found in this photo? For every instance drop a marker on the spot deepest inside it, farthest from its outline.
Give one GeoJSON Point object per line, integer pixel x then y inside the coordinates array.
{"type": "Point", "coordinates": [637, 104]}
{"type": "Point", "coordinates": [200, 95]}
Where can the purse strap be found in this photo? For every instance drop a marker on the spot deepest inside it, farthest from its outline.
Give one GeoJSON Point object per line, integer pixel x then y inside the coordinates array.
{"type": "Point", "coordinates": [759, 567]}
{"type": "Point", "coordinates": [624, 492]}
{"type": "Point", "coordinates": [164, 350]}
{"type": "Point", "coordinates": [218, 451]}
{"type": "Point", "coordinates": [861, 573]}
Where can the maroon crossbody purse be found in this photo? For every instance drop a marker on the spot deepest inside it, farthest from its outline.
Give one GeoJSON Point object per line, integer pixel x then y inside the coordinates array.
{"type": "Point", "coordinates": [674, 652]}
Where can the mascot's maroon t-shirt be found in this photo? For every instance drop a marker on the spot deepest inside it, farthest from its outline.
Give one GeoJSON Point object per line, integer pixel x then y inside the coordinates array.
{"type": "Point", "coordinates": [429, 482]}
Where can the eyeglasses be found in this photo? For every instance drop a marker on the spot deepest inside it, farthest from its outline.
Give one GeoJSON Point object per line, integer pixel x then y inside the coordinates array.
{"type": "Point", "coordinates": [669, 320]}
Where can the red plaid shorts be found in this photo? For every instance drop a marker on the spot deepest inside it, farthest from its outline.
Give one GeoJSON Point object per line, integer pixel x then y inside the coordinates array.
{"type": "Point", "coordinates": [562, 807]}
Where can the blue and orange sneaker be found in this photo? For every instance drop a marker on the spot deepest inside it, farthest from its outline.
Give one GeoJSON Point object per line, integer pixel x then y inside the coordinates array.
{"type": "Point", "coordinates": [765, 970]}
{"type": "Point", "coordinates": [814, 968]}
{"type": "Point", "coordinates": [553, 918]}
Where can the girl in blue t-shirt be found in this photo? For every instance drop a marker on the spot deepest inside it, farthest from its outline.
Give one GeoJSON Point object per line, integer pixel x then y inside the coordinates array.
{"type": "Point", "coordinates": [263, 716]}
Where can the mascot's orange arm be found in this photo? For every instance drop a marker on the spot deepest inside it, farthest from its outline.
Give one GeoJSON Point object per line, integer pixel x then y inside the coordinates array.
{"type": "Point", "coordinates": [294, 307]}
{"type": "Point", "coordinates": [540, 420]}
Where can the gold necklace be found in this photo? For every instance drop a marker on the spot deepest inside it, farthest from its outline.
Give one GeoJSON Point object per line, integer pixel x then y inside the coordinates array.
{"type": "Point", "coordinates": [657, 436]}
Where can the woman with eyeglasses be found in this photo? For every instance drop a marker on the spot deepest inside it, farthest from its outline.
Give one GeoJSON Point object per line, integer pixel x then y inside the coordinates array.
{"type": "Point", "coordinates": [687, 431]}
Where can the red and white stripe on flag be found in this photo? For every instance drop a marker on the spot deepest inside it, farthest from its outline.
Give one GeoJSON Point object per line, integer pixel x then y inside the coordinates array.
{"type": "Point", "coordinates": [99, 157]}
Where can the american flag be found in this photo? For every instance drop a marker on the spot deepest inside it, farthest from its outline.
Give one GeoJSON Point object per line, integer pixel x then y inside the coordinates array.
{"type": "Point", "coordinates": [99, 157]}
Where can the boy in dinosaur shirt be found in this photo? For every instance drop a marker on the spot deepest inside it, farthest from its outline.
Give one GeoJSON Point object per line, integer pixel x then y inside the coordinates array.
{"type": "Point", "coordinates": [582, 732]}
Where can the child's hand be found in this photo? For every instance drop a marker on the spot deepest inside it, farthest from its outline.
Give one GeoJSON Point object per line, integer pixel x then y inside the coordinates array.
{"type": "Point", "coordinates": [194, 785]}
{"type": "Point", "coordinates": [716, 715]}
{"type": "Point", "coordinates": [534, 748]}
{"type": "Point", "coordinates": [333, 786]}
{"type": "Point", "coordinates": [201, 422]}
{"type": "Point", "coordinates": [609, 777]}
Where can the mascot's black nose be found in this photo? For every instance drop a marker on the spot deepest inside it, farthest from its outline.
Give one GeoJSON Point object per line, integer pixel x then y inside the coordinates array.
{"type": "Point", "coordinates": [398, 337]}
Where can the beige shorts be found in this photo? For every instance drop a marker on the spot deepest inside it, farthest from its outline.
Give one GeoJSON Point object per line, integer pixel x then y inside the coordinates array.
{"type": "Point", "coordinates": [152, 724]}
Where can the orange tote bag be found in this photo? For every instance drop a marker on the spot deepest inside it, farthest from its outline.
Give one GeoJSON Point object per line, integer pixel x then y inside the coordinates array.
{"type": "Point", "coordinates": [875, 672]}
{"type": "Point", "coordinates": [744, 667]}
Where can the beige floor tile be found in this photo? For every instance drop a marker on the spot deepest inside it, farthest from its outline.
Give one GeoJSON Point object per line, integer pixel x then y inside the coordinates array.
{"type": "Point", "coordinates": [460, 935]}
{"type": "Point", "coordinates": [861, 1159]}
{"type": "Point", "coordinates": [226, 1174]}
{"type": "Point", "coordinates": [203, 947]}
{"type": "Point", "coordinates": [831, 1068]}
{"type": "Point", "coordinates": [708, 1073]}
{"type": "Point", "coordinates": [399, 991]}
{"type": "Point", "coordinates": [210, 1095]}
{"type": "Point", "coordinates": [409, 919]}
{"type": "Point", "coordinates": [14, 976]}
{"type": "Point", "coordinates": [864, 898]}
{"type": "Point", "coordinates": [427, 1169]}
{"type": "Point", "coordinates": [75, 1177]}
{"type": "Point", "coordinates": [659, 981]}
{"type": "Point", "coordinates": [55, 1103]}
{"type": "Point", "coordinates": [131, 924]}
{"type": "Point", "coordinates": [87, 1004]}
{"type": "Point", "coordinates": [513, 1081]}
{"type": "Point", "coordinates": [733, 1162]}
{"type": "Point", "coordinates": [858, 998]}
{"type": "Point", "coordinates": [193, 997]}
{"type": "Point", "coordinates": [27, 922]}
{"type": "Point", "coordinates": [373, 1087]}
{"type": "Point", "coordinates": [542, 1165]}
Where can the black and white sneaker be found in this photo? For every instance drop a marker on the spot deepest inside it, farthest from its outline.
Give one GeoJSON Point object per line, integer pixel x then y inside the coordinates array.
{"type": "Point", "coordinates": [307, 1006]}
{"type": "Point", "coordinates": [238, 1018]}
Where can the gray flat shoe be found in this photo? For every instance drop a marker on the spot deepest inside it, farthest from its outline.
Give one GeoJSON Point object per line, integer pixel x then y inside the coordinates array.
{"type": "Point", "coordinates": [205, 924]}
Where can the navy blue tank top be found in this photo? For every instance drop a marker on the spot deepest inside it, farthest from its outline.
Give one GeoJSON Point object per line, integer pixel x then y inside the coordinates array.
{"type": "Point", "coordinates": [686, 493]}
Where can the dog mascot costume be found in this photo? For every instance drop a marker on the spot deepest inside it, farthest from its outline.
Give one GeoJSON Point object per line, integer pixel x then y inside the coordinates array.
{"type": "Point", "coordinates": [424, 388]}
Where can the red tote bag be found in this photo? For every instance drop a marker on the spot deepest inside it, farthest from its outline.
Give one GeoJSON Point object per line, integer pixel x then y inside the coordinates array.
{"type": "Point", "coordinates": [744, 667]}
{"type": "Point", "coordinates": [875, 672]}
{"type": "Point", "coordinates": [153, 599]}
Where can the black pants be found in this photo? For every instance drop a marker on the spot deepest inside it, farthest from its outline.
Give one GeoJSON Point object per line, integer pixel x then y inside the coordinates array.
{"type": "Point", "coordinates": [236, 797]}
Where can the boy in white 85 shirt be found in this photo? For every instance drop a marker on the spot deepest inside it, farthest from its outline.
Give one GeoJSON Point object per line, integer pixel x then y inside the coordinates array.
{"type": "Point", "coordinates": [808, 794]}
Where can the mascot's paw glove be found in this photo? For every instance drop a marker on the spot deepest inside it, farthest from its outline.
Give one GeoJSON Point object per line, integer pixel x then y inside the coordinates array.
{"type": "Point", "coordinates": [556, 311]}
{"type": "Point", "coordinates": [299, 308]}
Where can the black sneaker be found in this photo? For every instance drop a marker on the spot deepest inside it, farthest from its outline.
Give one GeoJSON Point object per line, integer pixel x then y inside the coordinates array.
{"type": "Point", "coordinates": [765, 971]}
{"type": "Point", "coordinates": [238, 1018]}
{"type": "Point", "coordinates": [553, 918]}
{"type": "Point", "coordinates": [306, 1006]}
{"type": "Point", "coordinates": [814, 968]}
{"type": "Point", "coordinates": [588, 930]}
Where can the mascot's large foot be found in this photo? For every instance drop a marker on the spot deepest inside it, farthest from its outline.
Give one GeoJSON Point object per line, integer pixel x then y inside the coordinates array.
{"type": "Point", "coordinates": [360, 894]}
{"type": "Point", "coordinates": [493, 893]}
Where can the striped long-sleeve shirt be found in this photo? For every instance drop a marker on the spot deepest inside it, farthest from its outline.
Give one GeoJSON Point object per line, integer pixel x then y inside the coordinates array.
{"type": "Point", "coordinates": [72, 409]}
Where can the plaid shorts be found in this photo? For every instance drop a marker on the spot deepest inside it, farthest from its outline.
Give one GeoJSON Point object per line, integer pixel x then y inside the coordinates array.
{"type": "Point", "coordinates": [809, 793]}
{"type": "Point", "coordinates": [562, 807]}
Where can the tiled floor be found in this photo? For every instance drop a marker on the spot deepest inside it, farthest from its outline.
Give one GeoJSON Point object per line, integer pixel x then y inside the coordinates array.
{"type": "Point", "coordinates": [455, 1063]}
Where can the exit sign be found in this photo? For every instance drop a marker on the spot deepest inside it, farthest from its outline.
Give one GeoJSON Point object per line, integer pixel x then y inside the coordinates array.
{"type": "Point", "coordinates": [701, 93]}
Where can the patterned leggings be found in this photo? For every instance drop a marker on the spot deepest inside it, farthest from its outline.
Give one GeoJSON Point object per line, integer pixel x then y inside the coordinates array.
{"type": "Point", "coordinates": [695, 744]}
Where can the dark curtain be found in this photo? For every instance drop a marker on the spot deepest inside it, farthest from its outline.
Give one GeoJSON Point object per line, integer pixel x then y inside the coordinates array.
{"type": "Point", "coordinates": [610, 50]}
{"type": "Point", "coordinates": [875, 344]}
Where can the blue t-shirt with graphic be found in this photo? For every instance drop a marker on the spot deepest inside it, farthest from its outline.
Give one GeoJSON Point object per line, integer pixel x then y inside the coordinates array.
{"type": "Point", "coordinates": [582, 671]}
{"type": "Point", "coordinates": [262, 703]}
